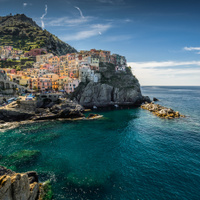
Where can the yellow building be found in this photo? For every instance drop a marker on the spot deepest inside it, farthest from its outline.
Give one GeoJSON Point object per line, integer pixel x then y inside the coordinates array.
{"type": "Point", "coordinates": [63, 69]}
{"type": "Point", "coordinates": [55, 61]}
{"type": "Point", "coordinates": [25, 81]}
{"type": "Point", "coordinates": [61, 81]}
{"type": "Point", "coordinates": [55, 85]}
{"type": "Point", "coordinates": [52, 76]}
{"type": "Point", "coordinates": [34, 83]}
{"type": "Point", "coordinates": [73, 63]}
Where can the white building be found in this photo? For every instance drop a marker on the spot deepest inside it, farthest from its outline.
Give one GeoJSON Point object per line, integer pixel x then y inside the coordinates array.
{"type": "Point", "coordinates": [86, 74]}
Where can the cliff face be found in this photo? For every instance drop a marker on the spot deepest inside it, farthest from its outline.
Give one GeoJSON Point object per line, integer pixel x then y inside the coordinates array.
{"type": "Point", "coordinates": [23, 33]}
{"type": "Point", "coordinates": [14, 186]}
{"type": "Point", "coordinates": [114, 88]}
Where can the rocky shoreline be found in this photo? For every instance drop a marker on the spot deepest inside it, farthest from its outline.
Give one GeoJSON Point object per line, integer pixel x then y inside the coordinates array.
{"type": "Point", "coordinates": [15, 186]}
{"type": "Point", "coordinates": [26, 112]}
{"type": "Point", "coordinates": [161, 111]}
{"type": "Point", "coordinates": [13, 116]}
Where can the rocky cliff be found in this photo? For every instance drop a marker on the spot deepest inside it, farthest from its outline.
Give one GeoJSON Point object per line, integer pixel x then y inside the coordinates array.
{"type": "Point", "coordinates": [15, 186]}
{"type": "Point", "coordinates": [114, 88]}
{"type": "Point", "coordinates": [23, 33]}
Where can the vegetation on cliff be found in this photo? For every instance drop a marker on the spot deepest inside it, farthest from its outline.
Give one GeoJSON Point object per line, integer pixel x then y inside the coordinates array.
{"type": "Point", "coordinates": [23, 33]}
{"type": "Point", "coordinates": [23, 63]}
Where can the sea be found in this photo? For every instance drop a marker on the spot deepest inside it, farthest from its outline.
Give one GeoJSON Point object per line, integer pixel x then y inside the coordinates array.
{"type": "Point", "coordinates": [129, 154]}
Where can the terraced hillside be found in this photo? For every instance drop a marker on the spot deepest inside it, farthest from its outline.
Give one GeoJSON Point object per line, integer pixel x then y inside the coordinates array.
{"type": "Point", "coordinates": [23, 33]}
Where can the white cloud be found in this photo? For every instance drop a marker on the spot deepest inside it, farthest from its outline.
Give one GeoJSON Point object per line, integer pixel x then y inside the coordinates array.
{"type": "Point", "coordinates": [27, 4]}
{"type": "Point", "coordinates": [167, 73]}
{"type": "Point", "coordinates": [92, 31]}
{"type": "Point", "coordinates": [66, 21]}
{"type": "Point", "coordinates": [44, 16]}
{"type": "Point", "coordinates": [153, 64]}
{"type": "Point", "coordinates": [192, 48]}
{"type": "Point", "coordinates": [127, 20]}
{"type": "Point", "coordinates": [79, 11]}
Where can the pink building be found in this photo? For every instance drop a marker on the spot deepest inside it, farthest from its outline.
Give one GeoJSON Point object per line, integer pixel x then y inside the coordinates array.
{"type": "Point", "coordinates": [44, 84]}
{"type": "Point", "coordinates": [71, 84]}
{"type": "Point", "coordinates": [11, 71]}
{"type": "Point", "coordinates": [71, 56]}
{"type": "Point", "coordinates": [56, 70]}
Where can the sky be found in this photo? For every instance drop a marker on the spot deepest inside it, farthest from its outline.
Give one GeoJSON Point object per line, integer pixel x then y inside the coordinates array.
{"type": "Point", "coordinates": [160, 38]}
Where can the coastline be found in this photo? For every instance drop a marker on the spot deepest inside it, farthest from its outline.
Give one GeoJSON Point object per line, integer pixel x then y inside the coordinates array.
{"type": "Point", "coordinates": [12, 125]}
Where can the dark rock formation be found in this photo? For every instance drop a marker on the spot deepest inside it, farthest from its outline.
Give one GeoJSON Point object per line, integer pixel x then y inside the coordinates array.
{"type": "Point", "coordinates": [155, 99]}
{"type": "Point", "coordinates": [5, 171]}
{"type": "Point", "coordinates": [65, 109]}
{"type": "Point", "coordinates": [115, 88]}
{"type": "Point", "coordinates": [146, 99]}
{"type": "Point", "coordinates": [10, 115]}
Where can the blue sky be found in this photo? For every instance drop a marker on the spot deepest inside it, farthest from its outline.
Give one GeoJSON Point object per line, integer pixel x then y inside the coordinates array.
{"type": "Point", "coordinates": [160, 38]}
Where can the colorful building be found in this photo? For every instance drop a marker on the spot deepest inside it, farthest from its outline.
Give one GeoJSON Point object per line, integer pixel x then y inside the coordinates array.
{"type": "Point", "coordinates": [55, 61]}
{"type": "Point", "coordinates": [71, 84]}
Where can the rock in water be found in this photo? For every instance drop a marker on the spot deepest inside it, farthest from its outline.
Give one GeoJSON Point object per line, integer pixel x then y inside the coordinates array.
{"type": "Point", "coordinates": [155, 99]}
{"type": "Point", "coordinates": [161, 111]}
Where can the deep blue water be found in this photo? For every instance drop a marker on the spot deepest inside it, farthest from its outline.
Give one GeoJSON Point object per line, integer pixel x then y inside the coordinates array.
{"type": "Point", "coordinates": [130, 154]}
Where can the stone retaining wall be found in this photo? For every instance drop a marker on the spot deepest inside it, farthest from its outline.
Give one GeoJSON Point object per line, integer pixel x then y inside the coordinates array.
{"type": "Point", "coordinates": [29, 105]}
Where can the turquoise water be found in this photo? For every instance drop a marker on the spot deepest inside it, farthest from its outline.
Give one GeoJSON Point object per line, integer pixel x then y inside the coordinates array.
{"type": "Point", "coordinates": [129, 154]}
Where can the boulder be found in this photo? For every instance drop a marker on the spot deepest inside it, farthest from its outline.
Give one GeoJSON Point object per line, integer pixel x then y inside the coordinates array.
{"type": "Point", "coordinates": [155, 99]}
{"type": "Point", "coordinates": [15, 186]}
{"type": "Point", "coordinates": [146, 99]}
